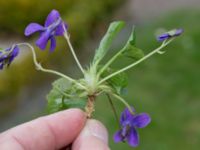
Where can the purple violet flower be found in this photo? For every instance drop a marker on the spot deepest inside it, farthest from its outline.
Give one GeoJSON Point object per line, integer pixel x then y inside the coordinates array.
{"type": "Point", "coordinates": [53, 27]}
{"type": "Point", "coordinates": [8, 55]}
{"type": "Point", "coordinates": [170, 34]}
{"type": "Point", "coordinates": [129, 122]}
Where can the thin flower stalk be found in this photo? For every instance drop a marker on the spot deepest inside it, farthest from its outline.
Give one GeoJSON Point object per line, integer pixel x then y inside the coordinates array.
{"type": "Point", "coordinates": [111, 61]}
{"type": "Point", "coordinates": [158, 50]}
{"type": "Point", "coordinates": [72, 49]}
{"type": "Point", "coordinates": [113, 108]}
{"type": "Point", "coordinates": [123, 101]}
{"type": "Point", "coordinates": [39, 67]}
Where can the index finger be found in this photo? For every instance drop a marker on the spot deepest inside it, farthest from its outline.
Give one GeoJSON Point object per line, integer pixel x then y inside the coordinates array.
{"type": "Point", "coordinates": [45, 133]}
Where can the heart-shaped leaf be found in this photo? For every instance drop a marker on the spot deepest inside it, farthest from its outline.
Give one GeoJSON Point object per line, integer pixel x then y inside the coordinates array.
{"type": "Point", "coordinates": [64, 95]}
{"type": "Point", "coordinates": [118, 82]}
{"type": "Point", "coordinates": [130, 50]}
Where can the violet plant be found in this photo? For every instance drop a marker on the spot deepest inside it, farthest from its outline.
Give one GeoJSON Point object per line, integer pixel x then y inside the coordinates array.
{"type": "Point", "coordinates": [98, 78]}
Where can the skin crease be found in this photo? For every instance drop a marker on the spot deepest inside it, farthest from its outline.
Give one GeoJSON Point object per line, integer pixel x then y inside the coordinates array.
{"type": "Point", "coordinates": [56, 131]}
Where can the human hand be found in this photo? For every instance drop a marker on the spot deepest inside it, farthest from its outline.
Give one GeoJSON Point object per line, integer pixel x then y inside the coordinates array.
{"type": "Point", "coordinates": [57, 131]}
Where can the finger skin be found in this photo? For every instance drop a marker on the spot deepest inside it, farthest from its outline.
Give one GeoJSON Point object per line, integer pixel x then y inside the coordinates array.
{"type": "Point", "coordinates": [92, 143]}
{"type": "Point", "coordinates": [45, 133]}
{"type": "Point", "coordinates": [94, 136]}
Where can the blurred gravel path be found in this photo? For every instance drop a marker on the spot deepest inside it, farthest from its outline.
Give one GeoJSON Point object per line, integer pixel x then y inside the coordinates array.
{"type": "Point", "coordinates": [151, 9]}
{"type": "Point", "coordinates": [6, 40]}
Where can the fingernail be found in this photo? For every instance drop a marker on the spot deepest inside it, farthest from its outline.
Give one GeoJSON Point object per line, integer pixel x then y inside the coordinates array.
{"type": "Point", "coordinates": [97, 129]}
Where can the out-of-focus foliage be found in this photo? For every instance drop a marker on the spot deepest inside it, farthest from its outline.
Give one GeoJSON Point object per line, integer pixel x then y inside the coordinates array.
{"type": "Point", "coordinates": [16, 14]}
{"type": "Point", "coordinates": [13, 80]}
{"type": "Point", "coordinates": [166, 86]}
{"type": "Point", "coordinates": [82, 16]}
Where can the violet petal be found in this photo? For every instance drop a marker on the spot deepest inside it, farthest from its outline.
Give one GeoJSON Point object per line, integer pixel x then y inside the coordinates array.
{"type": "Point", "coordinates": [170, 34]}
{"type": "Point", "coordinates": [53, 44]}
{"type": "Point", "coordinates": [141, 120]}
{"type": "Point", "coordinates": [133, 138]}
{"type": "Point", "coordinates": [52, 17]}
{"type": "Point", "coordinates": [179, 32]}
{"type": "Point", "coordinates": [126, 115]}
{"type": "Point", "coordinates": [13, 54]}
{"type": "Point", "coordinates": [15, 51]}
{"type": "Point", "coordinates": [32, 28]}
{"type": "Point", "coordinates": [118, 137]}
{"type": "Point", "coordinates": [42, 41]}
{"type": "Point", "coordinates": [124, 131]}
{"type": "Point", "coordinates": [8, 49]}
{"type": "Point", "coordinates": [1, 66]}
{"type": "Point", "coordinates": [2, 58]}
{"type": "Point", "coordinates": [59, 30]}
{"type": "Point", "coordinates": [163, 37]}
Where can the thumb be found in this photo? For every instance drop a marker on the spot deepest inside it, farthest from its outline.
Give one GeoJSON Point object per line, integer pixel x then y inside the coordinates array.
{"type": "Point", "coordinates": [94, 136]}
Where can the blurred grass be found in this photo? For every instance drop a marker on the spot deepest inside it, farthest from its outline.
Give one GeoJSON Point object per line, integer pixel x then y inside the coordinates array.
{"type": "Point", "coordinates": [166, 86]}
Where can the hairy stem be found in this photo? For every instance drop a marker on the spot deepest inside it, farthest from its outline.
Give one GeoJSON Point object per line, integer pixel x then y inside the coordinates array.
{"type": "Point", "coordinates": [63, 93]}
{"type": "Point", "coordinates": [113, 108]}
{"type": "Point", "coordinates": [39, 67]}
{"type": "Point", "coordinates": [72, 49]}
{"type": "Point", "coordinates": [137, 62]}
{"type": "Point", "coordinates": [89, 108]}
{"type": "Point", "coordinates": [123, 101]}
{"type": "Point", "coordinates": [111, 61]}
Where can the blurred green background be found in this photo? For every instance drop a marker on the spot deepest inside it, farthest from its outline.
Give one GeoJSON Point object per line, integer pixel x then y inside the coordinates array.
{"type": "Point", "coordinates": [166, 86]}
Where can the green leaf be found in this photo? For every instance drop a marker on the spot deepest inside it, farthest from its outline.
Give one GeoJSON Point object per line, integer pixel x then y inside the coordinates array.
{"type": "Point", "coordinates": [75, 103]}
{"type": "Point", "coordinates": [62, 84]}
{"type": "Point", "coordinates": [54, 104]}
{"type": "Point", "coordinates": [118, 82]}
{"type": "Point", "coordinates": [132, 38]}
{"type": "Point", "coordinates": [130, 50]}
{"type": "Point", "coordinates": [64, 95]}
{"type": "Point", "coordinates": [113, 30]}
{"type": "Point", "coordinates": [133, 52]}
